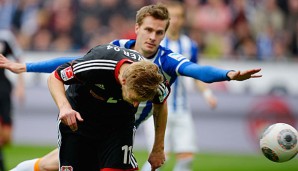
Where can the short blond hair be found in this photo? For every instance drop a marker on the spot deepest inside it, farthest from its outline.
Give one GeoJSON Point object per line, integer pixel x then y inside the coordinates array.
{"type": "Point", "coordinates": [157, 11]}
{"type": "Point", "coordinates": [143, 78]}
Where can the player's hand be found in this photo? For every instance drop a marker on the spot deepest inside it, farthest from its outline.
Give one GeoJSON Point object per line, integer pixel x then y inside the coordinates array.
{"type": "Point", "coordinates": [156, 159]}
{"type": "Point", "coordinates": [212, 101]}
{"type": "Point", "coordinates": [12, 66]}
{"type": "Point", "coordinates": [244, 75]}
{"type": "Point", "coordinates": [69, 117]}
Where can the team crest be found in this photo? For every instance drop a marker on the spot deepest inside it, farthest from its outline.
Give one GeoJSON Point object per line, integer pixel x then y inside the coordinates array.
{"type": "Point", "coordinates": [67, 74]}
{"type": "Point", "coordinates": [66, 168]}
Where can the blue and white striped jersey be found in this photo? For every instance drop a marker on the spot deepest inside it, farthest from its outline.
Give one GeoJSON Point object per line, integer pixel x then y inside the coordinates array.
{"type": "Point", "coordinates": [177, 101]}
{"type": "Point", "coordinates": [168, 63]}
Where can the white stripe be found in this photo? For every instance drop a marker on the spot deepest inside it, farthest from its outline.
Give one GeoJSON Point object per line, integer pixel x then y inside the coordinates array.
{"type": "Point", "coordinates": [91, 68]}
{"type": "Point", "coordinates": [92, 64]}
{"type": "Point", "coordinates": [133, 161]}
{"type": "Point", "coordinates": [122, 42]}
{"type": "Point", "coordinates": [177, 68]}
{"type": "Point", "coordinates": [59, 140]}
{"type": "Point", "coordinates": [96, 61]}
{"type": "Point", "coordinates": [59, 134]}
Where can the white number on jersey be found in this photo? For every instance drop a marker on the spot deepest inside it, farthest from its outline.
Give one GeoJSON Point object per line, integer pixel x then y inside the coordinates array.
{"type": "Point", "coordinates": [127, 152]}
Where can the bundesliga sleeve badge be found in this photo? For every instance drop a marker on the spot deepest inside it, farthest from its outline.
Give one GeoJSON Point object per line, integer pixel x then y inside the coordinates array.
{"type": "Point", "coordinates": [66, 74]}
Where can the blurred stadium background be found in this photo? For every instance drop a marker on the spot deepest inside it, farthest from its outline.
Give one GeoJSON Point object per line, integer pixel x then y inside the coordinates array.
{"type": "Point", "coordinates": [237, 34]}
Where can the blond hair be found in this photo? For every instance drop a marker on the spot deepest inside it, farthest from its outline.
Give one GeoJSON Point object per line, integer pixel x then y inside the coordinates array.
{"type": "Point", "coordinates": [157, 11]}
{"type": "Point", "coordinates": [143, 78]}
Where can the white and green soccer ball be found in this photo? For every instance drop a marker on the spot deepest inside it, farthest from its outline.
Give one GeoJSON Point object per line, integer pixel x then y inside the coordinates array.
{"type": "Point", "coordinates": [279, 142]}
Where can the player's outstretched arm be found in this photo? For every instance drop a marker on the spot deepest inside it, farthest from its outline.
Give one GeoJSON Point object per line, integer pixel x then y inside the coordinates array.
{"type": "Point", "coordinates": [14, 67]}
{"type": "Point", "coordinates": [46, 66]}
{"type": "Point", "coordinates": [244, 75]}
{"type": "Point", "coordinates": [210, 74]}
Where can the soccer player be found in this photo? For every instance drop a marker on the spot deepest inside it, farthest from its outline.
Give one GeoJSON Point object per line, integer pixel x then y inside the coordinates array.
{"type": "Point", "coordinates": [151, 24]}
{"type": "Point", "coordinates": [96, 123]}
{"type": "Point", "coordinates": [10, 48]}
{"type": "Point", "coordinates": [180, 135]}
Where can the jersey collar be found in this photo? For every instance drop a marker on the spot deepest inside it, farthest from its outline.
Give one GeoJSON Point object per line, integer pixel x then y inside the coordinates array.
{"type": "Point", "coordinates": [119, 64]}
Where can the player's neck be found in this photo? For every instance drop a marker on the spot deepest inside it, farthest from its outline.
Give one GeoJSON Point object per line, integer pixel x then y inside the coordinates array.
{"type": "Point", "coordinates": [121, 71]}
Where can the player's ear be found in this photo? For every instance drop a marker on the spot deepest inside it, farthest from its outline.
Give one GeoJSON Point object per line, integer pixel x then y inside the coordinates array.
{"type": "Point", "coordinates": [123, 81]}
{"type": "Point", "coordinates": [137, 27]}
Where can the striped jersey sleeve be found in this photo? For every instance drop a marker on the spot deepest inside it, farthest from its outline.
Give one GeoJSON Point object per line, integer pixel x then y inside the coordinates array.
{"type": "Point", "coordinates": [95, 66]}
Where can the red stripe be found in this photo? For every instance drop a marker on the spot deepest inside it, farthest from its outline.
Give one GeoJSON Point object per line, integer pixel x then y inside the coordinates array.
{"type": "Point", "coordinates": [57, 76]}
{"type": "Point", "coordinates": [119, 64]}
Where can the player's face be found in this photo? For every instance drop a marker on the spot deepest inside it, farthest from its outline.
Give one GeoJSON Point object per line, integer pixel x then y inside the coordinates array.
{"type": "Point", "coordinates": [149, 35]}
{"type": "Point", "coordinates": [130, 96]}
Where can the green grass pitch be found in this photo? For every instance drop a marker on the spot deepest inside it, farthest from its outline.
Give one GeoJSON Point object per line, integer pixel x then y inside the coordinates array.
{"type": "Point", "coordinates": [203, 161]}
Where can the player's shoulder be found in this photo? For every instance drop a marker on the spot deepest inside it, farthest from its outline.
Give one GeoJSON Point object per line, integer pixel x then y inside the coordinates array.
{"type": "Point", "coordinates": [126, 43]}
{"type": "Point", "coordinates": [106, 48]}
{"type": "Point", "coordinates": [105, 51]}
{"type": "Point", "coordinates": [166, 52]}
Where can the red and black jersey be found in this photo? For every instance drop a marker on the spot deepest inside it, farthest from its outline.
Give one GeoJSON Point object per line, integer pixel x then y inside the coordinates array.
{"type": "Point", "coordinates": [98, 71]}
{"type": "Point", "coordinates": [94, 89]}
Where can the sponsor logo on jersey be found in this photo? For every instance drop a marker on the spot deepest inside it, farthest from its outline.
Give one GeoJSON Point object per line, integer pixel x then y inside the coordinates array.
{"type": "Point", "coordinates": [67, 74]}
{"type": "Point", "coordinates": [176, 56]}
{"type": "Point", "coordinates": [66, 168]}
{"type": "Point", "coordinates": [96, 96]}
{"type": "Point", "coordinates": [101, 86]}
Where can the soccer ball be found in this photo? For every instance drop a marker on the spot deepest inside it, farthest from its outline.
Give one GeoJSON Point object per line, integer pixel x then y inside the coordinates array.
{"type": "Point", "coordinates": [279, 142]}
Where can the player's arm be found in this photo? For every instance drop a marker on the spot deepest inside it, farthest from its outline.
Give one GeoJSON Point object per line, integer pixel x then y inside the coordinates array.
{"type": "Point", "coordinates": [207, 93]}
{"type": "Point", "coordinates": [211, 74]}
{"type": "Point", "coordinates": [67, 115]}
{"type": "Point", "coordinates": [19, 90]}
{"type": "Point", "coordinates": [12, 66]}
{"type": "Point", "coordinates": [157, 155]}
{"type": "Point", "coordinates": [46, 66]}
{"type": "Point", "coordinates": [160, 114]}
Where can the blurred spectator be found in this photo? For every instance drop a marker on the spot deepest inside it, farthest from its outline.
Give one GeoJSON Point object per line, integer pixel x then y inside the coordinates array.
{"type": "Point", "coordinates": [243, 45]}
{"type": "Point", "coordinates": [213, 18]}
{"type": "Point", "coordinates": [108, 8]}
{"type": "Point", "coordinates": [88, 21]}
{"type": "Point", "coordinates": [25, 21]}
{"type": "Point", "coordinates": [292, 28]}
{"type": "Point", "coordinates": [41, 40]}
{"type": "Point", "coordinates": [130, 14]}
{"type": "Point", "coordinates": [230, 29]}
{"type": "Point", "coordinates": [267, 23]}
{"type": "Point", "coordinates": [7, 10]}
